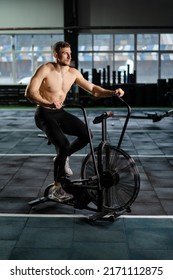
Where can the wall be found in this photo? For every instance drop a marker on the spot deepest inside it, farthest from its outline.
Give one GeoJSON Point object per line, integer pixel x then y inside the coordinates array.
{"type": "Point", "coordinates": [125, 13]}
{"type": "Point", "coordinates": [32, 13]}
{"type": "Point", "coordinates": [49, 13]}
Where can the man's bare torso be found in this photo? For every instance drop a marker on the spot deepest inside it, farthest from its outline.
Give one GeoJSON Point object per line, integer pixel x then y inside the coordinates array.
{"type": "Point", "coordinates": [57, 83]}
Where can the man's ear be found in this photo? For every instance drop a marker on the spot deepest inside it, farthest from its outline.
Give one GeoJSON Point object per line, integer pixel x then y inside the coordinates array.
{"type": "Point", "coordinates": [55, 54]}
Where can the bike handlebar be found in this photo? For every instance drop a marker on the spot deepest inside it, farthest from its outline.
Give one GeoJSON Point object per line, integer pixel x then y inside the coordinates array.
{"type": "Point", "coordinates": [106, 115]}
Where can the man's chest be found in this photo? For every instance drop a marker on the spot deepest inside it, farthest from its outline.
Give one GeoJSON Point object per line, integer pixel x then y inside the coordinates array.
{"type": "Point", "coordinates": [57, 81]}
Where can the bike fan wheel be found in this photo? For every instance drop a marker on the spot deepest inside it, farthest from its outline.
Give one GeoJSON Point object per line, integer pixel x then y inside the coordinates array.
{"type": "Point", "coordinates": [119, 178]}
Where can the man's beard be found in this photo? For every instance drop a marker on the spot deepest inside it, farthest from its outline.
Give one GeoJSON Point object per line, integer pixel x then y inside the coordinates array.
{"type": "Point", "coordinates": [64, 63]}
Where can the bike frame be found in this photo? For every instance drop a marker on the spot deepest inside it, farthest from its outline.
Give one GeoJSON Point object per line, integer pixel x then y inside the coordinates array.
{"type": "Point", "coordinates": [98, 168]}
{"type": "Point", "coordinates": [103, 120]}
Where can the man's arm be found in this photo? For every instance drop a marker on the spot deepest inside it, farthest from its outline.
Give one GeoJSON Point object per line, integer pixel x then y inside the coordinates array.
{"type": "Point", "coordinates": [95, 90]}
{"type": "Point", "coordinates": [101, 92]}
{"type": "Point", "coordinates": [32, 91]}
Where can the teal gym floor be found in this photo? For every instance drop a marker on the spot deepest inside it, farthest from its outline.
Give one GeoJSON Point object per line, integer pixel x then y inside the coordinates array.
{"type": "Point", "coordinates": [54, 231]}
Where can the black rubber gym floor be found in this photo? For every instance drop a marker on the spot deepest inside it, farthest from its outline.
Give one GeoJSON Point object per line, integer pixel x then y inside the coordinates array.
{"type": "Point", "coordinates": [54, 231]}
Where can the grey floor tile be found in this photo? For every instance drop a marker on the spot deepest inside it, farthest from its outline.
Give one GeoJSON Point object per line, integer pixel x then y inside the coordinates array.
{"type": "Point", "coordinates": [40, 254]}
{"type": "Point", "coordinates": [108, 232]}
{"type": "Point", "coordinates": [45, 238]}
{"type": "Point", "coordinates": [164, 192]}
{"type": "Point", "coordinates": [100, 251]}
{"type": "Point", "coordinates": [11, 231]}
{"type": "Point", "coordinates": [147, 196]}
{"type": "Point", "coordinates": [50, 222]}
{"type": "Point", "coordinates": [144, 222]}
{"type": "Point", "coordinates": [148, 208]}
{"type": "Point", "coordinates": [19, 191]}
{"type": "Point", "coordinates": [140, 254]}
{"type": "Point", "coordinates": [150, 239]}
{"type": "Point", "coordinates": [14, 205]}
{"type": "Point", "coordinates": [6, 247]}
{"type": "Point", "coordinates": [167, 205]}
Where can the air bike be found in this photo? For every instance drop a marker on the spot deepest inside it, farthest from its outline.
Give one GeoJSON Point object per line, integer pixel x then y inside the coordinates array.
{"type": "Point", "coordinates": [109, 181]}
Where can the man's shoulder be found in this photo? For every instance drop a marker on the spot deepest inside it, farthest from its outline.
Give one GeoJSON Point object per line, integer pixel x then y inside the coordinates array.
{"type": "Point", "coordinates": [48, 65]}
{"type": "Point", "coordinates": [45, 68]}
{"type": "Point", "coordinates": [74, 71]}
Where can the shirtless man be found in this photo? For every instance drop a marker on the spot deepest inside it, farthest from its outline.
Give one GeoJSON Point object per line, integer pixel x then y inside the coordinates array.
{"type": "Point", "coordinates": [48, 89]}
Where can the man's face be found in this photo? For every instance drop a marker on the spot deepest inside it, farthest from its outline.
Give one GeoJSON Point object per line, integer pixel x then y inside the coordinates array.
{"type": "Point", "coordinates": [64, 56]}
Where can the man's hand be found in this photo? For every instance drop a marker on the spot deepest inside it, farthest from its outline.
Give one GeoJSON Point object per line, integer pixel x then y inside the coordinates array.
{"type": "Point", "coordinates": [119, 91]}
{"type": "Point", "coordinates": [57, 104]}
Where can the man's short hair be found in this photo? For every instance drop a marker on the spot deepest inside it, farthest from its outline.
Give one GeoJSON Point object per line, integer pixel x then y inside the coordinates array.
{"type": "Point", "coordinates": [61, 44]}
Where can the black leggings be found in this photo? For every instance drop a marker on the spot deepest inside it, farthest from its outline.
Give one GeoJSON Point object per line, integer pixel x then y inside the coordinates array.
{"type": "Point", "coordinates": [55, 124]}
